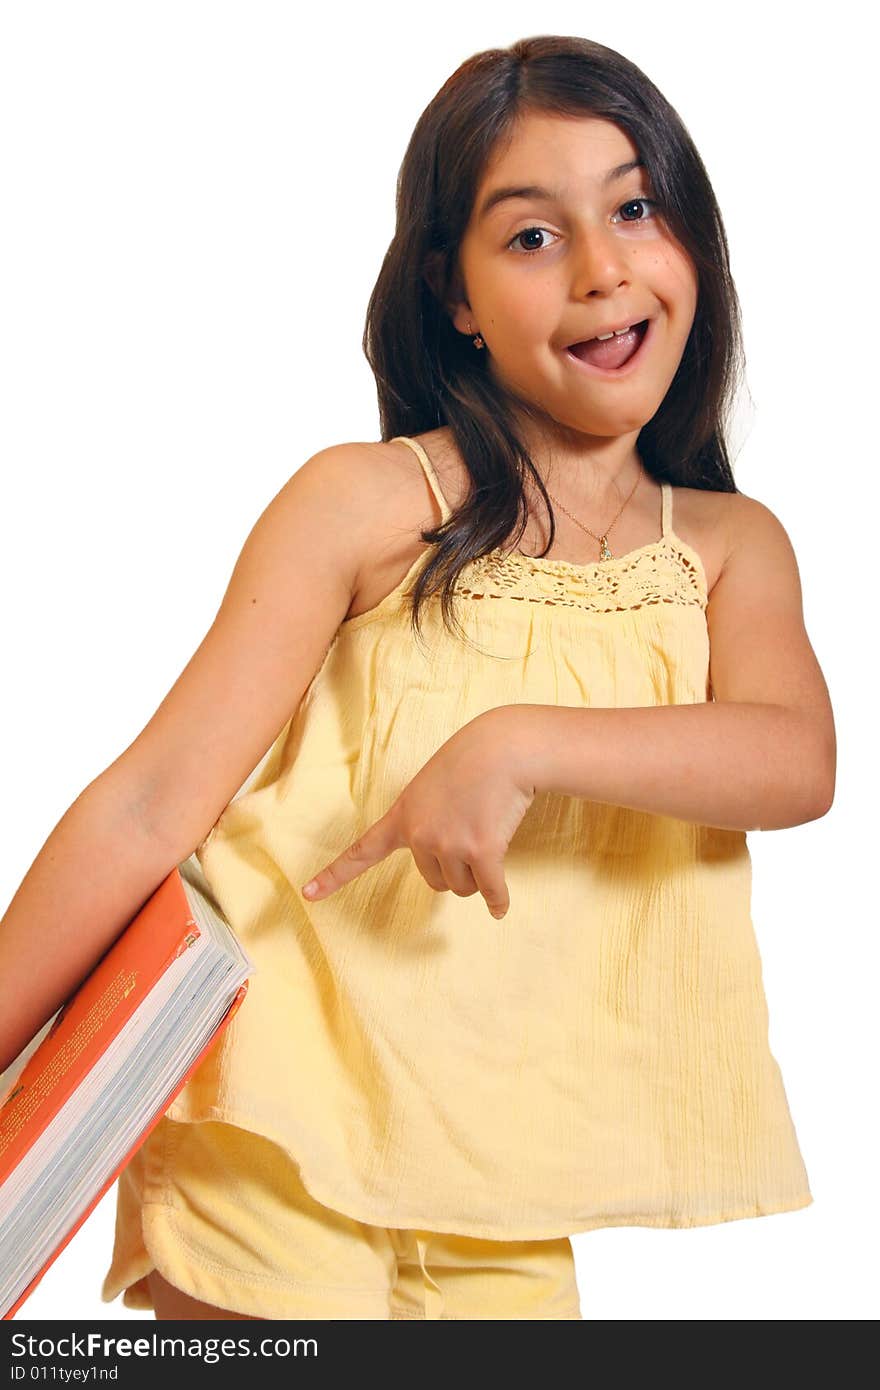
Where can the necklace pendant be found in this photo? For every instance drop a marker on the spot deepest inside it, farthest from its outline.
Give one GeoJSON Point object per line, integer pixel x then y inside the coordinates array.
{"type": "Point", "coordinates": [604, 551]}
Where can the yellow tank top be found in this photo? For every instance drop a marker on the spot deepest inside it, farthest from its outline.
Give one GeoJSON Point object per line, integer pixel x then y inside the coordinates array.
{"type": "Point", "coordinates": [598, 1057]}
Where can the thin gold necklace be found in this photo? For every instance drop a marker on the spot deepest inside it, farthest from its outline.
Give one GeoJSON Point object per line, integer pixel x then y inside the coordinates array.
{"type": "Point", "coordinates": [605, 552]}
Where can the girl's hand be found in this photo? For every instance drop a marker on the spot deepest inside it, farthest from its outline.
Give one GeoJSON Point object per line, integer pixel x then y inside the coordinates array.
{"type": "Point", "coordinates": [457, 816]}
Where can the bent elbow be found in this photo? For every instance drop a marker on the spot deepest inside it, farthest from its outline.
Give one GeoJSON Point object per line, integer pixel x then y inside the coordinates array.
{"type": "Point", "coordinates": [822, 798]}
{"type": "Point", "coordinates": [826, 803]}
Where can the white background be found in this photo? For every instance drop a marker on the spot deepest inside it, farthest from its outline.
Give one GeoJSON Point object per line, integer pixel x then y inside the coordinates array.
{"type": "Point", "coordinates": [197, 199]}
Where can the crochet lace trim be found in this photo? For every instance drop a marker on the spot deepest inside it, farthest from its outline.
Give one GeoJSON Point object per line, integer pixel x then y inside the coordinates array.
{"type": "Point", "coordinates": [667, 570]}
{"type": "Point", "coordinates": [664, 571]}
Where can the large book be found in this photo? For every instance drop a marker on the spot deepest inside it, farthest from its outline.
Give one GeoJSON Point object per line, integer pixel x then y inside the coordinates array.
{"type": "Point", "coordinates": [86, 1092]}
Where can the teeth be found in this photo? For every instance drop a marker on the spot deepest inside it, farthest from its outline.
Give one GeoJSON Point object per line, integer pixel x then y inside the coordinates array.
{"type": "Point", "coordinates": [603, 337]}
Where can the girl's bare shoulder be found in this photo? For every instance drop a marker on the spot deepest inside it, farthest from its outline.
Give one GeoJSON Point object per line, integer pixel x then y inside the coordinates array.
{"type": "Point", "coordinates": [702, 518]}
{"type": "Point", "coordinates": [400, 505]}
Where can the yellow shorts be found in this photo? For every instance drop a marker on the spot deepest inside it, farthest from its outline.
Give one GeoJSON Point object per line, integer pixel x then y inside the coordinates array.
{"type": "Point", "coordinates": [222, 1213]}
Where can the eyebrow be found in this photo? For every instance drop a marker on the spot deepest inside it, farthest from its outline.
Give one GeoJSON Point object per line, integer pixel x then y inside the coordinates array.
{"type": "Point", "coordinates": [500, 195]}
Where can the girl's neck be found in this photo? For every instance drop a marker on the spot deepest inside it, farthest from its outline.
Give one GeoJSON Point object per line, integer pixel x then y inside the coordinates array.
{"type": "Point", "coordinates": [598, 473]}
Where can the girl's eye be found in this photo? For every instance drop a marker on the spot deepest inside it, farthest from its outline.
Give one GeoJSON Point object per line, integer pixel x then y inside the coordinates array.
{"type": "Point", "coordinates": [630, 202]}
{"type": "Point", "coordinates": [526, 231]}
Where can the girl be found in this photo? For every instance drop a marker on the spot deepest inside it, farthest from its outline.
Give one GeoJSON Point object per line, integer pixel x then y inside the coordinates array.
{"type": "Point", "coordinates": [568, 720]}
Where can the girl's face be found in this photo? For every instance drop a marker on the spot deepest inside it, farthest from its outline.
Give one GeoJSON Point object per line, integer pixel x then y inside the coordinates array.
{"type": "Point", "coordinates": [589, 262]}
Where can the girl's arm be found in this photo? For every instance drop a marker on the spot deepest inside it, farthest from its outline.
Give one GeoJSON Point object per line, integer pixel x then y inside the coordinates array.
{"type": "Point", "coordinates": [291, 587]}
{"type": "Point", "coordinates": [96, 869]}
{"type": "Point", "coordinates": [761, 757]}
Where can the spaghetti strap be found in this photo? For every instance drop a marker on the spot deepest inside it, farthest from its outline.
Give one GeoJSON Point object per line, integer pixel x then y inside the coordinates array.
{"type": "Point", "coordinates": [666, 509]}
{"type": "Point", "coordinates": [430, 474]}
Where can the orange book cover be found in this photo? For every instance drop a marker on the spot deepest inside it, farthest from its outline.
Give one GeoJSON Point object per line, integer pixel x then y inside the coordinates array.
{"type": "Point", "coordinates": [83, 1030]}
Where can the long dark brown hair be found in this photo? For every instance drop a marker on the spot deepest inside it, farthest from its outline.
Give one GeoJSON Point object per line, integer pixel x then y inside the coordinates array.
{"type": "Point", "coordinates": [428, 374]}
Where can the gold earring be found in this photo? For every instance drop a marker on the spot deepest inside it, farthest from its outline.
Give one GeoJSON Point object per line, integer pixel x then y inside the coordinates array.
{"type": "Point", "coordinates": [478, 340]}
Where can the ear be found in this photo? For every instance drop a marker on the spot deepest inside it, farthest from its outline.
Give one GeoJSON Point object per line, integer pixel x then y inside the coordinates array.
{"type": "Point", "coordinates": [454, 299]}
{"type": "Point", "coordinates": [433, 274]}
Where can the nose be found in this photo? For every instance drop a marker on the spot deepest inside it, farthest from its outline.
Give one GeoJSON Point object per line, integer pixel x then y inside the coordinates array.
{"type": "Point", "coordinates": [601, 264]}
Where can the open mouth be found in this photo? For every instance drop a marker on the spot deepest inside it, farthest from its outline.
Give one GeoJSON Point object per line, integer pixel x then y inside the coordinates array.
{"type": "Point", "coordinates": [614, 354]}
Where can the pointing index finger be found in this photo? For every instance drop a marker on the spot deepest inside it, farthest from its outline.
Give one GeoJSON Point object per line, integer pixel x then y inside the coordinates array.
{"type": "Point", "coordinates": [368, 849]}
